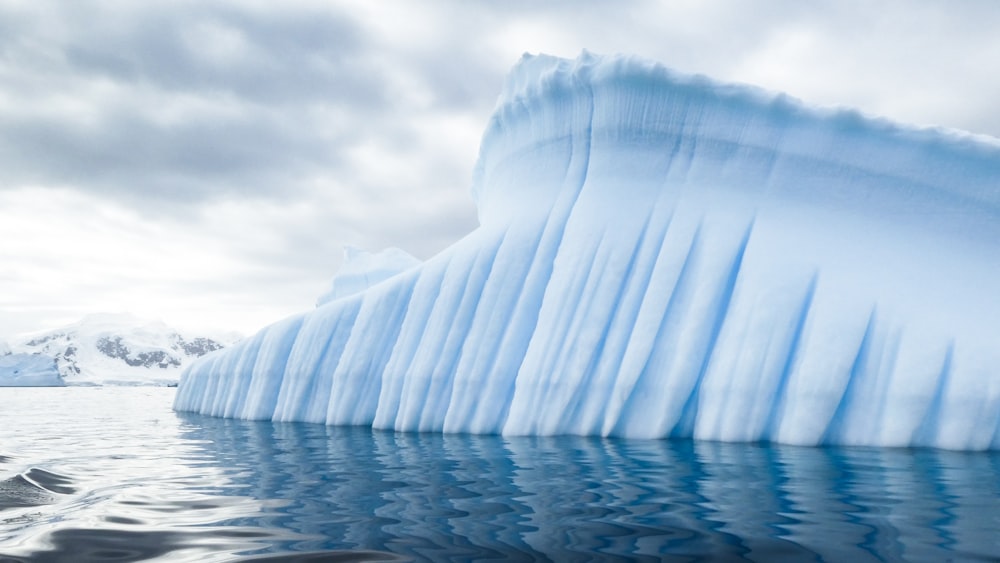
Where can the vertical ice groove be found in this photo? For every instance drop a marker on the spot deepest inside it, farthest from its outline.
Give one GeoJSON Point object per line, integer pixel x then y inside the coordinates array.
{"type": "Point", "coordinates": [926, 433]}
{"type": "Point", "coordinates": [223, 386]}
{"type": "Point", "coordinates": [624, 370]}
{"type": "Point", "coordinates": [686, 425]}
{"type": "Point", "coordinates": [480, 361]}
{"type": "Point", "coordinates": [865, 419]}
{"type": "Point", "coordinates": [486, 400]}
{"type": "Point", "coordinates": [590, 396]}
{"type": "Point", "coordinates": [197, 378]}
{"type": "Point", "coordinates": [571, 367]}
{"type": "Point", "coordinates": [476, 297]}
{"type": "Point", "coordinates": [215, 382]}
{"type": "Point", "coordinates": [240, 376]}
{"type": "Point", "coordinates": [357, 380]}
{"type": "Point", "coordinates": [737, 379]}
{"type": "Point", "coordinates": [414, 380]}
{"type": "Point", "coordinates": [192, 396]}
{"type": "Point", "coordinates": [442, 375]}
{"type": "Point", "coordinates": [506, 362]}
{"type": "Point", "coordinates": [315, 397]}
{"type": "Point", "coordinates": [418, 311]}
{"type": "Point", "coordinates": [318, 343]}
{"type": "Point", "coordinates": [216, 388]}
{"type": "Point", "coordinates": [778, 403]}
{"type": "Point", "coordinates": [642, 408]}
{"type": "Point", "coordinates": [545, 355]}
{"type": "Point", "coordinates": [837, 425]}
{"type": "Point", "coordinates": [588, 138]}
{"type": "Point", "coordinates": [572, 188]}
{"type": "Point", "coordinates": [691, 139]}
{"type": "Point", "coordinates": [485, 406]}
{"type": "Point", "coordinates": [269, 370]}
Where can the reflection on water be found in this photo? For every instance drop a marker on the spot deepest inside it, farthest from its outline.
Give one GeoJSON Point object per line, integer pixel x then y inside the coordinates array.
{"type": "Point", "coordinates": [146, 483]}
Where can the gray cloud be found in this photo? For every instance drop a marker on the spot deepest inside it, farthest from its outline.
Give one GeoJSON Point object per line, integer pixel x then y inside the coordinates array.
{"type": "Point", "coordinates": [260, 137]}
{"type": "Point", "coordinates": [275, 57]}
{"type": "Point", "coordinates": [186, 104]}
{"type": "Point", "coordinates": [193, 101]}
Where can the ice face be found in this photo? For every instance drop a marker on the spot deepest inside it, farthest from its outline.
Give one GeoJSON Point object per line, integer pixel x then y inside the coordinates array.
{"type": "Point", "coordinates": [29, 370]}
{"type": "Point", "coordinates": [361, 270]}
{"type": "Point", "coordinates": [661, 255]}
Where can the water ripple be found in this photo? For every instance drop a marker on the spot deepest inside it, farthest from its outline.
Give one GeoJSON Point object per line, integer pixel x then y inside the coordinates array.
{"type": "Point", "coordinates": [34, 487]}
{"type": "Point", "coordinates": [147, 484]}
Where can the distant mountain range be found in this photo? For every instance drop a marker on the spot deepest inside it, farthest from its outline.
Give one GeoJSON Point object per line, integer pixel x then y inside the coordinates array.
{"type": "Point", "coordinates": [105, 349]}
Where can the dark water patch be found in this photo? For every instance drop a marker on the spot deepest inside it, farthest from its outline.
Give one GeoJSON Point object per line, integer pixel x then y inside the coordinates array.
{"type": "Point", "coordinates": [16, 492]}
{"type": "Point", "coordinates": [35, 487]}
{"type": "Point", "coordinates": [122, 520]}
{"type": "Point", "coordinates": [49, 481]}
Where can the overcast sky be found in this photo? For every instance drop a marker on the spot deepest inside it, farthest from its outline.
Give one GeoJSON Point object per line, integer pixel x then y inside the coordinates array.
{"type": "Point", "coordinates": [204, 162]}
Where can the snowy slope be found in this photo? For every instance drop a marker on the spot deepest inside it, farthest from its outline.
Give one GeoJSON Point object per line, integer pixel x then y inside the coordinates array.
{"type": "Point", "coordinates": [662, 255]}
{"type": "Point", "coordinates": [119, 349]}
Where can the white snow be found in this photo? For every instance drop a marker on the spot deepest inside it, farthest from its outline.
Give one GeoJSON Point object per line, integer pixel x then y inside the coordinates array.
{"type": "Point", "coordinates": [662, 255]}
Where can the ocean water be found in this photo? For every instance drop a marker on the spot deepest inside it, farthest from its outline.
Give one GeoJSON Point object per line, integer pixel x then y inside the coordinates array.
{"type": "Point", "coordinates": [112, 474]}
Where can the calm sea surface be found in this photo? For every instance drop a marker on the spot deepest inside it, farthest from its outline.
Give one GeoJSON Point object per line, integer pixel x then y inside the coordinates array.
{"type": "Point", "coordinates": [112, 474]}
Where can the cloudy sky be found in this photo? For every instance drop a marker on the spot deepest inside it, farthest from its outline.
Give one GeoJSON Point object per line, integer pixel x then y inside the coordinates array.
{"type": "Point", "coordinates": [204, 162]}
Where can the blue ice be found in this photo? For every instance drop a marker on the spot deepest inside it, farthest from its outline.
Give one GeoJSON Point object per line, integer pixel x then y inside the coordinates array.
{"type": "Point", "coordinates": [28, 370]}
{"type": "Point", "coordinates": [661, 255]}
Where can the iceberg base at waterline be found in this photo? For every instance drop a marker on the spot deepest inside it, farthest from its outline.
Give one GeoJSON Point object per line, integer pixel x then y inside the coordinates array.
{"type": "Point", "coordinates": [29, 370]}
{"type": "Point", "coordinates": [661, 255]}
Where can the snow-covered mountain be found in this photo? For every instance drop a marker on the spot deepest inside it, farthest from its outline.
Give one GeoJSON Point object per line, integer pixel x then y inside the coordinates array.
{"type": "Point", "coordinates": [120, 349]}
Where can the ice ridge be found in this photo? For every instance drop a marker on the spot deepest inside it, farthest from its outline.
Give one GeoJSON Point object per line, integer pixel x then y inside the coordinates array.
{"type": "Point", "coordinates": [661, 255]}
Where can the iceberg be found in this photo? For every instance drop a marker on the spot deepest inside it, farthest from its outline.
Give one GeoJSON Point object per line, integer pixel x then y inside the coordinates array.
{"type": "Point", "coordinates": [28, 370]}
{"type": "Point", "coordinates": [361, 269]}
{"type": "Point", "coordinates": [662, 255]}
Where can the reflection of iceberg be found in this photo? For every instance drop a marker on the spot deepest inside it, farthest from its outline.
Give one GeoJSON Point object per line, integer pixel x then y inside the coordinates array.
{"type": "Point", "coordinates": [661, 255]}
{"type": "Point", "coordinates": [567, 498]}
